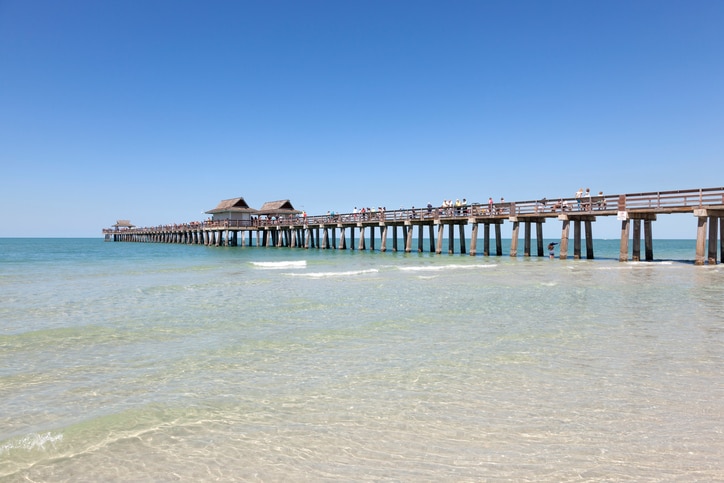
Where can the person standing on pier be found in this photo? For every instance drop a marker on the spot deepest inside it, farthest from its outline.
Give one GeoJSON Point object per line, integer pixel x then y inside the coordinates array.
{"type": "Point", "coordinates": [579, 195]}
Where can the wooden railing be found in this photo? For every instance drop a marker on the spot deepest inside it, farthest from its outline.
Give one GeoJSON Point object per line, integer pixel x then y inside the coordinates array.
{"type": "Point", "coordinates": [679, 200]}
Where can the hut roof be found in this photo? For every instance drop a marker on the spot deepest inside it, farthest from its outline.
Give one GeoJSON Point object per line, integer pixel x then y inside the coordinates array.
{"type": "Point", "coordinates": [123, 224]}
{"type": "Point", "coordinates": [233, 205]}
{"type": "Point", "coordinates": [281, 207]}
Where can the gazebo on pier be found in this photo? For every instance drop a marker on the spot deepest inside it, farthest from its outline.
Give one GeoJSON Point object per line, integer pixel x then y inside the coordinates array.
{"type": "Point", "coordinates": [281, 209]}
{"type": "Point", "coordinates": [235, 210]}
{"type": "Point", "coordinates": [123, 225]}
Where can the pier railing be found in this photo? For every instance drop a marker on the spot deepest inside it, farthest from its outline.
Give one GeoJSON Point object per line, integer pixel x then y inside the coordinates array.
{"type": "Point", "coordinates": [658, 201]}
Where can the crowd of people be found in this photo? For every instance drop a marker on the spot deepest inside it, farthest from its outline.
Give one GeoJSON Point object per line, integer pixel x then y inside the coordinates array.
{"type": "Point", "coordinates": [584, 202]}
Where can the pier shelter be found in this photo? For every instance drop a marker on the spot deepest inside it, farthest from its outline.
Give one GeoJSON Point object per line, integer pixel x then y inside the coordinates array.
{"type": "Point", "coordinates": [234, 209]}
{"type": "Point", "coordinates": [274, 221]}
{"type": "Point", "coordinates": [123, 225]}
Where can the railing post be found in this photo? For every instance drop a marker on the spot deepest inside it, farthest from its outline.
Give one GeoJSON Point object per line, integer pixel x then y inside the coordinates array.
{"type": "Point", "coordinates": [621, 202]}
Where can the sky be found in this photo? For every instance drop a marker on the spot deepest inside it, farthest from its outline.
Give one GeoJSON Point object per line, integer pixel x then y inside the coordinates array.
{"type": "Point", "coordinates": [156, 110]}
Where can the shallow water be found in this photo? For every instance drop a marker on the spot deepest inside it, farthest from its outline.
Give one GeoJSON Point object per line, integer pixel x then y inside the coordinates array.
{"type": "Point", "coordinates": [125, 361]}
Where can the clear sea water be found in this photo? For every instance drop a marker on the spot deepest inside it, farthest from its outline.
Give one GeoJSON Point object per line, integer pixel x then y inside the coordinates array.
{"type": "Point", "coordinates": [153, 362]}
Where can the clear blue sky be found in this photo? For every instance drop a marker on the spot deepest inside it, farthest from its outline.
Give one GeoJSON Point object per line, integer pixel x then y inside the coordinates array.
{"type": "Point", "coordinates": [155, 110]}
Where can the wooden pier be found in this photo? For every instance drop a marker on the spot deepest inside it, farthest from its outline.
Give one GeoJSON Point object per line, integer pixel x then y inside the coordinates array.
{"type": "Point", "coordinates": [320, 231]}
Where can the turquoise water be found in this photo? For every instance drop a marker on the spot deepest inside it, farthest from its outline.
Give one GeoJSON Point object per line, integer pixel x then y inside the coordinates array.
{"type": "Point", "coordinates": [152, 362]}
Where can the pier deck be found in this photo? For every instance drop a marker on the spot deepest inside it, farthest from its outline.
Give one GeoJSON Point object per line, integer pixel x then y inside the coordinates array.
{"type": "Point", "coordinates": [320, 231]}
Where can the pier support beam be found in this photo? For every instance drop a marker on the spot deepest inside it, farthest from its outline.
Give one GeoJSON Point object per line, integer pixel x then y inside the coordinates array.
{"type": "Point", "coordinates": [636, 249]}
{"type": "Point", "coordinates": [498, 241]}
{"type": "Point", "coordinates": [474, 240]}
{"type": "Point", "coordinates": [451, 239]}
{"type": "Point", "coordinates": [563, 250]}
{"type": "Point", "coordinates": [623, 249]}
{"type": "Point", "coordinates": [539, 237]}
{"type": "Point", "coordinates": [634, 220]}
{"type": "Point", "coordinates": [713, 235]}
{"type": "Point", "coordinates": [514, 240]}
{"type": "Point", "coordinates": [486, 239]}
{"type": "Point", "coordinates": [438, 248]}
{"type": "Point", "coordinates": [325, 238]}
{"type": "Point", "coordinates": [589, 239]}
{"type": "Point", "coordinates": [648, 241]}
{"type": "Point", "coordinates": [461, 232]}
{"type": "Point", "coordinates": [383, 248]}
{"type": "Point", "coordinates": [580, 222]}
{"type": "Point", "coordinates": [700, 237]}
{"type": "Point", "coordinates": [577, 239]}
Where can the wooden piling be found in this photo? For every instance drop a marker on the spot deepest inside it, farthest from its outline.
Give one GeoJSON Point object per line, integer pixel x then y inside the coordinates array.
{"type": "Point", "coordinates": [636, 249]}
{"type": "Point", "coordinates": [461, 232]}
{"type": "Point", "coordinates": [563, 247]}
{"type": "Point", "coordinates": [407, 230]}
{"type": "Point", "coordinates": [438, 248]}
{"type": "Point", "coordinates": [623, 248]}
{"type": "Point", "coordinates": [498, 241]}
{"type": "Point", "coordinates": [514, 240]}
{"type": "Point", "coordinates": [589, 239]}
{"type": "Point", "coordinates": [451, 239]}
{"type": "Point", "coordinates": [486, 239]}
{"type": "Point", "coordinates": [474, 240]}
{"type": "Point", "coordinates": [713, 235]}
{"type": "Point", "coordinates": [700, 237]}
{"type": "Point", "coordinates": [539, 237]}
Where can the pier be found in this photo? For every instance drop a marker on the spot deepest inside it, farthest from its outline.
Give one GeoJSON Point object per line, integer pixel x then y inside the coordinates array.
{"type": "Point", "coordinates": [278, 224]}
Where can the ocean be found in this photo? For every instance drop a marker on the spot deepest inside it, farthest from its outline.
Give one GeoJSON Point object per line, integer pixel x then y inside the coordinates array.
{"type": "Point", "coordinates": [155, 362]}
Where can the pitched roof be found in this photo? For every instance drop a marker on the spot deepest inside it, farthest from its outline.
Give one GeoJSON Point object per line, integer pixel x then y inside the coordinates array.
{"type": "Point", "coordinates": [123, 224]}
{"type": "Point", "coordinates": [281, 207]}
{"type": "Point", "coordinates": [233, 205]}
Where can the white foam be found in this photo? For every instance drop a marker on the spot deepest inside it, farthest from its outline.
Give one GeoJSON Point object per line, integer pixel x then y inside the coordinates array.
{"type": "Point", "coordinates": [31, 442]}
{"type": "Point", "coordinates": [440, 268]}
{"type": "Point", "coordinates": [350, 273]}
{"type": "Point", "coordinates": [280, 265]}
